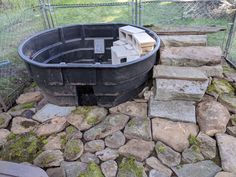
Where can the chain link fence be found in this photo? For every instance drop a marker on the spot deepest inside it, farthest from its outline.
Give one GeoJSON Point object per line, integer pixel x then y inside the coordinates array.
{"type": "Point", "coordinates": [61, 12]}
{"type": "Point", "coordinates": [19, 19]}
{"type": "Point", "coordinates": [230, 52]}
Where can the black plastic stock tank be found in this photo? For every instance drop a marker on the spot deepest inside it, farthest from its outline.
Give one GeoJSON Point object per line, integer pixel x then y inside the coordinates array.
{"type": "Point", "coordinates": [66, 66]}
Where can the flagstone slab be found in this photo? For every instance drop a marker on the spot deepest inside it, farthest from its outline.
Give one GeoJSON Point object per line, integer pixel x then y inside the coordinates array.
{"type": "Point", "coordinates": [172, 89]}
{"type": "Point", "coordinates": [180, 73]}
{"type": "Point", "coordinates": [184, 40]}
{"type": "Point", "coordinates": [50, 111]}
{"type": "Point", "coordinates": [191, 56]}
{"type": "Point", "coordinates": [174, 110]}
{"type": "Point", "coordinates": [204, 168]}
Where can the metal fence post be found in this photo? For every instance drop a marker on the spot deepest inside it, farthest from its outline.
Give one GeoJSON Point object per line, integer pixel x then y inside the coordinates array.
{"type": "Point", "coordinates": [43, 13]}
{"type": "Point", "coordinates": [50, 13]}
{"type": "Point", "coordinates": [133, 12]}
{"type": "Point", "coordinates": [136, 12]}
{"type": "Point", "coordinates": [140, 13]}
{"type": "Point", "coordinates": [230, 38]}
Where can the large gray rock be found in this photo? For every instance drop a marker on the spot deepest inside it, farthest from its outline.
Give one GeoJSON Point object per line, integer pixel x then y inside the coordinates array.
{"type": "Point", "coordinates": [5, 118]}
{"type": "Point", "coordinates": [111, 124]}
{"type": "Point", "coordinates": [23, 125]}
{"type": "Point", "coordinates": [73, 169]}
{"type": "Point", "coordinates": [139, 149]}
{"type": "Point", "coordinates": [207, 146]}
{"type": "Point", "coordinates": [204, 168]}
{"type": "Point", "coordinates": [174, 134]}
{"type": "Point", "coordinates": [9, 169]}
{"type": "Point", "coordinates": [107, 154]}
{"type": "Point", "coordinates": [55, 142]}
{"type": "Point", "coordinates": [29, 97]}
{"type": "Point", "coordinates": [20, 108]}
{"type": "Point", "coordinates": [229, 101]}
{"type": "Point", "coordinates": [225, 174]}
{"type": "Point", "coordinates": [94, 146]}
{"type": "Point", "coordinates": [180, 73]}
{"type": "Point", "coordinates": [180, 110]}
{"type": "Point", "coordinates": [138, 128]}
{"type": "Point", "coordinates": [212, 117]}
{"type": "Point", "coordinates": [192, 155]}
{"type": "Point", "coordinates": [109, 168]}
{"type": "Point", "coordinates": [3, 136]}
{"type": "Point", "coordinates": [167, 156]}
{"type": "Point", "coordinates": [154, 163]}
{"type": "Point", "coordinates": [184, 40]}
{"type": "Point", "coordinates": [115, 140]}
{"type": "Point", "coordinates": [73, 132]}
{"type": "Point", "coordinates": [56, 172]}
{"type": "Point", "coordinates": [191, 56]}
{"type": "Point", "coordinates": [50, 111]}
{"type": "Point", "coordinates": [74, 149]}
{"type": "Point", "coordinates": [172, 89]}
{"type": "Point", "coordinates": [89, 157]}
{"type": "Point", "coordinates": [156, 173]}
{"type": "Point", "coordinates": [227, 146]}
{"type": "Point", "coordinates": [54, 125]}
{"type": "Point", "coordinates": [131, 108]}
{"type": "Point", "coordinates": [49, 158]}
{"type": "Point", "coordinates": [84, 117]}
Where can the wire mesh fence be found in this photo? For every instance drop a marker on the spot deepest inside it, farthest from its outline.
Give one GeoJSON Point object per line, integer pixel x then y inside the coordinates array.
{"type": "Point", "coordinates": [60, 12]}
{"type": "Point", "coordinates": [230, 52]}
{"type": "Point", "coordinates": [18, 21]}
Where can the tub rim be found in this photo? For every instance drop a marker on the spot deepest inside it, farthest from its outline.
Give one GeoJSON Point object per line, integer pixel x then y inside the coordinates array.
{"type": "Point", "coordinates": [85, 65]}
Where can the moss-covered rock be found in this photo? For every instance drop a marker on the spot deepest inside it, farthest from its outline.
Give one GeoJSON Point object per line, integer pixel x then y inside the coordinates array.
{"type": "Point", "coordinates": [129, 167]}
{"type": "Point", "coordinates": [49, 158]}
{"type": "Point", "coordinates": [227, 68]}
{"type": "Point", "coordinates": [84, 117]}
{"type": "Point", "coordinates": [74, 149]}
{"type": "Point", "coordinates": [220, 86]}
{"type": "Point", "coordinates": [160, 149]}
{"type": "Point", "coordinates": [4, 119]}
{"type": "Point", "coordinates": [20, 108]}
{"type": "Point", "coordinates": [229, 101]}
{"type": "Point", "coordinates": [22, 148]}
{"type": "Point", "coordinates": [193, 141]}
{"type": "Point", "coordinates": [70, 131]}
{"type": "Point", "coordinates": [93, 170]}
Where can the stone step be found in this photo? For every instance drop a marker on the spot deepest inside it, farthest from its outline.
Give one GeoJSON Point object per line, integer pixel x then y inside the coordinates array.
{"type": "Point", "coordinates": [175, 110]}
{"type": "Point", "coordinates": [191, 56]}
{"type": "Point", "coordinates": [184, 40]}
{"type": "Point", "coordinates": [180, 73]}
{"type": "Point", "coordinates": [172, 89]}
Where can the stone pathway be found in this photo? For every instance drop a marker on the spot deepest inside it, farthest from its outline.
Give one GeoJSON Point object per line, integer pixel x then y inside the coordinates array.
{"type": "Point", "coordinates": [184, 126]}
